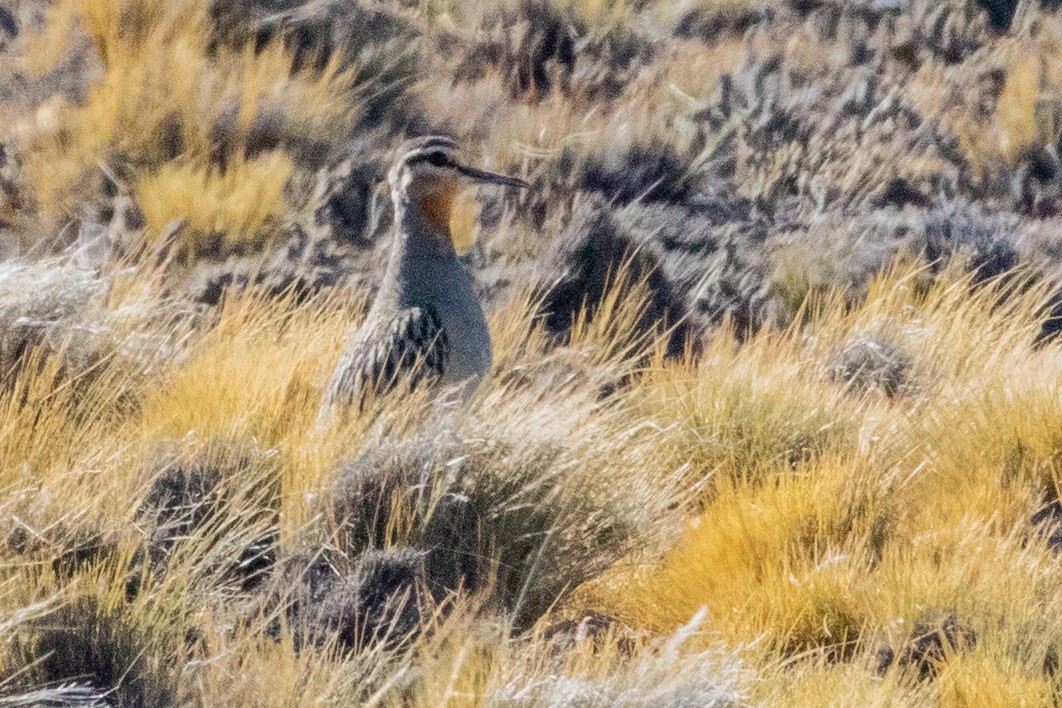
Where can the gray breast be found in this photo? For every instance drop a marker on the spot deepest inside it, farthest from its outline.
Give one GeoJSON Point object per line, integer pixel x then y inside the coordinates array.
{"type": "Point", "coordinates": [450, 295]}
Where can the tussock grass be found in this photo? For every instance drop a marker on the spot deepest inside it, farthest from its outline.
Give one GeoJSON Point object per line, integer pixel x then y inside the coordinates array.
{"type": "Point", "coordinates": [225, 211]}
{"type": "Point", "coordinates": [218, 456]}
{"type": "Point", "coordinates": [825, 523]}
{"type": "Point", "coordinates": [908, 506]}
{"type": "Point", "coordinates": [191, 128]}
{"type": "Point", "coordinates": [839, 512]}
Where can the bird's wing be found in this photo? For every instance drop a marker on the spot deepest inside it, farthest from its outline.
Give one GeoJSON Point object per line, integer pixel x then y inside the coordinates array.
{"type": "Point", "coordinates": [412, 342]}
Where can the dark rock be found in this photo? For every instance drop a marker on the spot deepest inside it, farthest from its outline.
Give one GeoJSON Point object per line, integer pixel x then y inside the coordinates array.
{"type": "Point", "coordinates": [8, 23]}
{"type": "Point", "coordinates": [859, 98]}
{"type": "Point", "coordinates": [597, 630]}
{"type": "Point", "coordinates": [85, 643]}
{"type": "Point", "coordinates": [68, 549]}
{"type": "Point", "coordinates": [935, 637]}
{"type": "Point", "coordinates": [544, 41]}
{"type": "Point", "coordinates": [1049, 521]}
{"type": "Point", "coordinates": [980, 239]}
{"type": "Point", "coordinates": [736, 293]}
{"type": "Point", "coordinates": [1037, 183]}
{"type": "Point", "coordinates": [377, 597]}
{"type": "Point", "coordinates": [952, 30]}
{"type": "Point", "coordinates": [349, 201]}
{"type": "Point", "coordinates": [594, 250]}
{"type": "Point", "coordinates": [805, 7]}
{"type": "Point", "coordinates": [533, 45]}
{"type": "Point", "coordinates": [708, 256]}
{"type": "Point", "coordinates": [307, 263]}
{"type": "Point", "coordinates": [650, 173]}
{"type": "Point", "coordinates": [190, 504]}
{"type": "Point", "coordinates": [709, 24]}
{"type": "Point", "coordinates": [883, 659]}
{"type": "Point", "coordinates": [870, 364]}
{"type": "Point", "coordinates": [898, 192]}
{"type": "Point", "coordinates": [1050, 665]}
{"type": "Point", "coordinates": [607, 62]}
{"type": "Point", "coordinates": [269, 130]}
{"type": "Point", "coordinates": [1051, 314]}
{"type": "Point", "coordinates": [375, 38]}
{"type": "Point", "coordinates": [179, 502]}
{"type": "Point", "coordinates": [1000, 12]}
{"type": "Point", "coordinates": [236, 22]}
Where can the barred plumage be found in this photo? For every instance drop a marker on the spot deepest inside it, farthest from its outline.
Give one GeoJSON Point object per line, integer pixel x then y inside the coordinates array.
{"type": "Point", "coordinates": [411, 343]}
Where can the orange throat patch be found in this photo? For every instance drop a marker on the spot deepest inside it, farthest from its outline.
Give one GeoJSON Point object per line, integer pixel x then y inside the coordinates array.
{"type": "Point", "coordinates": [438, 206]}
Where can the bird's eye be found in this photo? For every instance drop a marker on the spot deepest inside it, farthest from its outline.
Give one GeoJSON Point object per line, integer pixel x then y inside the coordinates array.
{"type": "Point", "coordinates": [439, 159]}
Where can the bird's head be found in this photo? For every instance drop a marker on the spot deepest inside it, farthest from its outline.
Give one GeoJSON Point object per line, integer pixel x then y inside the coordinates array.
{"type": "Point", "coordinates": [429, 174]}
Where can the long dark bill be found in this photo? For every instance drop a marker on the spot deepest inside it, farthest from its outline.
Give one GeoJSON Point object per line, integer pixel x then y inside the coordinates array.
{"type": "Point", "coordinates": [491, 177]}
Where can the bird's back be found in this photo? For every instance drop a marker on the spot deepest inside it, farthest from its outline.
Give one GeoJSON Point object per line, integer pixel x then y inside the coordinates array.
{"type": "Point", "coordinates": [389, 346]}
{"type": "Point", "coordinates": [433, 333]}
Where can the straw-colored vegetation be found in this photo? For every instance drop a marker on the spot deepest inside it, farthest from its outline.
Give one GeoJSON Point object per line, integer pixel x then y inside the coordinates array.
{"type": "Point", "coordinates": [173, 116]}
{"type": "Point", "coordinates": [822, 524]}
{"type": "Point", "coordinates": [844, 491]}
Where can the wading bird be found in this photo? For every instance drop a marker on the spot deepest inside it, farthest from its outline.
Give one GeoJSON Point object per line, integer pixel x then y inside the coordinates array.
{"type": "Point", "coordinates": [426, 322]}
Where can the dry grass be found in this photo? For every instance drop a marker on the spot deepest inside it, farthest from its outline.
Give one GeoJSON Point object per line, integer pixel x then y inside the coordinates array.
{"type": "Point", "coordinates": [246, 387]}
{"type": "Point", "coordinates": [829, 522]}
{"type": "Point", "coordinates": [1025, 113]}
{"type": "Point", "coordinates": [903, 507]}
{"type": "Point", "coordinates": [172, 116]}
{"type": "Point", "coordinates": [1017, 110]}
{"type": "Point", "coordinates": [224, 211]}
{"type": "Point", "coordinates": [765, 521]}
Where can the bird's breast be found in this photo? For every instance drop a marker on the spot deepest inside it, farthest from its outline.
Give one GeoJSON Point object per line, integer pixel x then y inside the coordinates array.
{"type": "Point", "coordinates": [470, 344]}
{"type": "Point", "coordinates": [444, 286]}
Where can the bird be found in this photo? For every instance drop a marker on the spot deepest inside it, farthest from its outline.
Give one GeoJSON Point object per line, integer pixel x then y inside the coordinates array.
{"type": "Point", "coordinates": [426, 322]}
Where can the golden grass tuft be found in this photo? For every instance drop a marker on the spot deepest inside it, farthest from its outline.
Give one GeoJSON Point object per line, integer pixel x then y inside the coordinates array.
{"type": "Point", "coordinates": [903, 506]}
{"type": "Point", "coordinates": [1018, 110]}
{"type": "Point", "coordinates": [181, 120]}
{"type": "Point", "coordinates": [1027, 110]}
{"type": "Point", "coordinates": [223, 210]}
{"type": "Point", "coordinates": [986, 680]}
